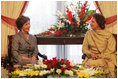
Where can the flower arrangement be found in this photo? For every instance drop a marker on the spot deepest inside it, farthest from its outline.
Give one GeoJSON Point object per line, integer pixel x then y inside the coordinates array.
{"type": "Point", "coordinates": [73, 22]}
{"type": "Point", "coordinates": [56, 68]}
{"type": "Point", "coordinates": [60, 67]}
{"type": "Point", "coordinates": [91, 73]}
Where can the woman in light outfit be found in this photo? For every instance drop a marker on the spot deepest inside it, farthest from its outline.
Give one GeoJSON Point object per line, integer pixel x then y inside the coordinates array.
{"type": "Point", "coordinates": [100, 46]}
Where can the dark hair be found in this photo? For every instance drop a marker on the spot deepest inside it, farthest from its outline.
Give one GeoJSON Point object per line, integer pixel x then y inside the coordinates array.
{"type": "Point", "coordinates": [100, 20]}
{"type": "Point", "coordinates": [21, 20]}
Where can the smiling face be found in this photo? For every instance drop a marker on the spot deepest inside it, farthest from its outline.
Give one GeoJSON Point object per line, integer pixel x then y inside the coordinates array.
{"type": "Point", "coordinates": [26, 27]}
{"type": "Point", "coordinates": [94, 24]}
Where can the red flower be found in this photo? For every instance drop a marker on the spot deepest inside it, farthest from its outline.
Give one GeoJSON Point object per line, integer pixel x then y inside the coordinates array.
{"type": "Point", "coordinates": [62, 21]}
{"type": "Point", "coordinates": [77, 29]}
{"type": "Point", "coordinates": [76, 24]}
{"type": "Point", "coordinates": [49, 66]}
{"type": "Point", "coordinates": [67, 10]}
{"type": "Point", "coordinates": [55, 32]}
{"type": "Point", "coordinates": [82, 22]}
{"type": "Point", "coordinates": [50, 28]}
{"type": "Point", "coordinates": [54, 67]}
{"type": "Point", "coordinates": [46, 62]}
{"type": "Point", "coordinates": [72, 66]}
{"type": "Point", "coordinates": [68, 67]}
{"type": "Point", "coordinates": [59, 31]}
{"type": "Point", "coordinates": [54, 58]}
{"type": "Point", "coordinates": [54, 63]}
{"type": "Point", "coordinates": [62, 69]}
{"type": "Point", "coordinates": [64, 30]}
{"type": "Point", "coordinates": [73, 31]}
{"type": "Point", "coordinates": [83, 9]}
{"type": "Point", "coordinates": [59, 64]}
{"type": "Point", "coordinates": [67, 29]}
{"type": "Point", "coordinates": [48, 32]}
{"type": "Point", "coordinates": [58, 34]}
{"type": "Point", "coordinates": [45, 33]}
{"type": "Point", "coordinates": [81, 17]}
{"type": "Point", "coordinates": [67, 23]}
{"type": "Point", "coordinates": [85, 3]}
{"type": "Point", "coordinates": [69, 15]}
{"type": "Point", "coordinates": [73, 15]}
{"type": "Point", "coordinates": [62, 61]}
{"type": "Point", "coordinates": [72, 23]}
{"type": "Point", "coordinates": [67, 61]}
{"type": "Point", "coordinates": [89, 17]}
{"type": "Point", "coordinates": [83, 31]}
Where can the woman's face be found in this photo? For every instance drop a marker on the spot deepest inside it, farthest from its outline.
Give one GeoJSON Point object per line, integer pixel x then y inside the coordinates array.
{"type": "Point", "coordinates": [94, 24]}
{"type": "Point", "coordinates": [26, 27]}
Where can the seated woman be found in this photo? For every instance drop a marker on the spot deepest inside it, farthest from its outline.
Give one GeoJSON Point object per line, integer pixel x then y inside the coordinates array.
{"type": "Point", "coordinates": [24, 45]}
{"type": "Point", "coordinates": [100, 46]}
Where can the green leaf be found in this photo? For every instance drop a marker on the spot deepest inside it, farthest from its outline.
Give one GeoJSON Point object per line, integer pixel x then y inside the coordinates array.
{"type": "Point", "coordinates": [90, 12]}
{"type": "Point", "coordinates": [86, 17]}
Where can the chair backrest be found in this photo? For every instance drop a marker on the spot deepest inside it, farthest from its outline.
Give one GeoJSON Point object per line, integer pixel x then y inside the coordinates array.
{"type": "Point", "coordinates": [10, 48]}
{"type": "Point", "coordinates": [115, 36]}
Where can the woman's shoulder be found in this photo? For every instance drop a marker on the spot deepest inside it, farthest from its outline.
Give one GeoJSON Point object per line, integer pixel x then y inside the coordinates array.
{"type": "Point", "coordinates": [88, 31]}
{"type": "Point", "coordinates": [108, 33]}
{"type": "Point", "coordinates": [32, 36]}
{"type": "Point", "coordinates": [104, 32]}
{"type": "Point", "coordinates": [16, 36]}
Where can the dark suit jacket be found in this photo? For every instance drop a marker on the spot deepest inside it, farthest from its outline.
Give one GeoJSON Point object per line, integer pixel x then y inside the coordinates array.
{"type": "Point", "coordinates": [23, 47]}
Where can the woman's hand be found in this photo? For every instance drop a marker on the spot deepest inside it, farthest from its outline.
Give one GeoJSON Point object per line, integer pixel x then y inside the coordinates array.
{"type": "Point", "coordinates": [25, 58]}
{"type": "Point", "coordinates": [94, 56]}
{"type": "Point", "coordinates": [33, 58]}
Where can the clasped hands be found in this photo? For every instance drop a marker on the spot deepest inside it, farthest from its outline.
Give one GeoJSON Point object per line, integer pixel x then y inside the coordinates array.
{"type": "Point", "coordinates": [25, 58]}
{"type": "Point", "coordinates": [94, 56]}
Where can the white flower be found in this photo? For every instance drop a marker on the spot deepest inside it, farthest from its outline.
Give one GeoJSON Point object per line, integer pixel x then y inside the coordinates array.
{"type": "Point", "coordinates": [78, 20]}
{"type": "Point", "coordinates": [90, 71]}
{"type": "Point", "coordinates": [59, 13]}
{"type": "Point", "coordinates": [21, 74]}
{"type": "Point", "coordinates": [62, 17]}
{"type": "Point", "coordinates": [44, 72]}
{"type": "Point", "coordinates": [63, 65]}
{"type": "Point", "coordinates": [41, 73]}
{"type": "Point", "coordinates": [43, 66]}
{"type": "Point", "coordinates": [60, 25]}
{"type": "Point", "coordinates": [72, 63]}
{"type": "Point", "coordinates": [58, 71]}
{"type": "Point", "coordinates": [40, 64]}
{"type": "Point", "coordinates": [68, 72]}
{"type": "Point", "coordinates": [76, 9]}
{"type": "Point", "coordinates": [29, 69]}
{"type": "Point", "coordinates": [36, 66]}
{"type": "Point", "coordinates": [52, 70]}
{"type": "Point", "coordinates": [66, 4]}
